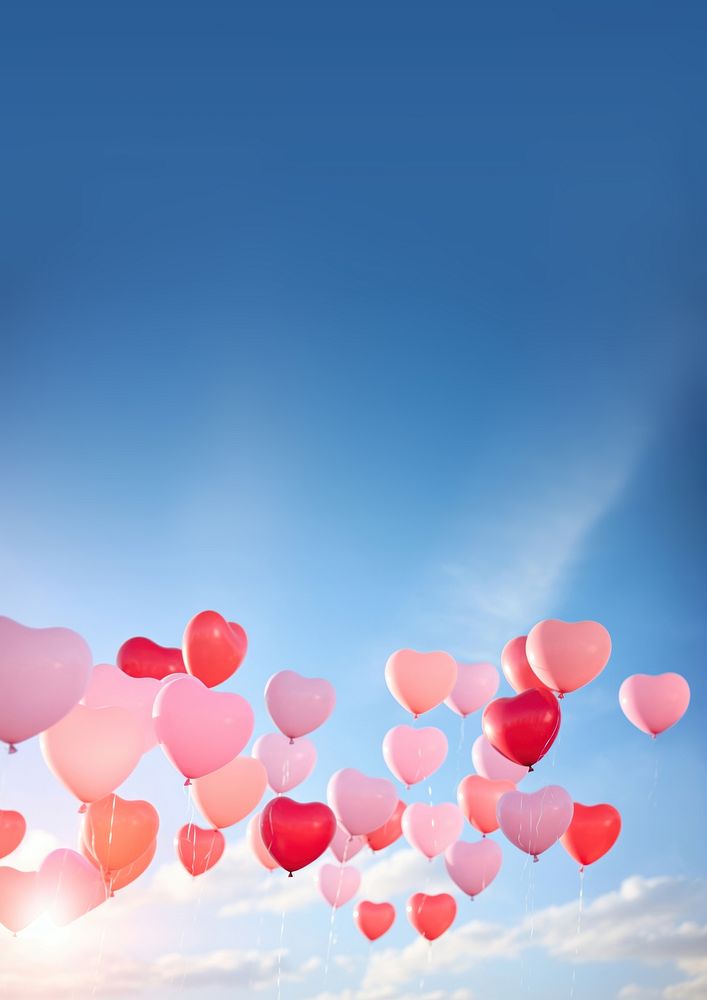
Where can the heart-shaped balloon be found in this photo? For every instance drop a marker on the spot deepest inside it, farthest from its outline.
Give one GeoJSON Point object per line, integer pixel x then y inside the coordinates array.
{"type": "Point", "coordinates": [124, 876]}
{"type": "Point", "coordinates": [93, 750]}
{"type": "Point", "coordinates": [296, 833]}
{"type": "Point", "coordinates": [478, 798]}
{"type": "Point", "coordinates": [567, 655]}
{"type": "Point", "coordinates": [534, 821]}
{"type": "Point", "coordinates": [298, 705]}
{"type": "Point", "coordinates": [257, 846]}
{"type": "Point", "coordinates": [516, 668]}
{"type": "Point", "coordinates": [227, 795]}
{"type": "Point", "coordinates": [344, 847]}
{"type": "Point", "coordinates": [12, 831]}
{"type": "Point", "coordinates": [476, 684]}
{"type": "Point", "coordinates": [287, 764]}
{"type": "Point", "coordinates": [213, 648]}
{"type": "Point", "coordinates": [414, 754]}
{"type": "Point", "coordinates": [21, 898]}
{"type": "Point", "coordinates": [374, 919]}
{"type": "Point", "coordinates": [338, 884]}
{"type": "Point", "coordinates": [420, 681]}
{"type": "Point", "coordinates": [522, 728]}
{"type": "Point", "coordinates": [361, 804]}
{"type": "Point", "coordinates": [109, 687]}
{"type": "Point", "coordinates": [142, 658]}
{"type": "Point", "coordinates": [70, 886]}
{"type": "Point", "coordinates": [200, 730]}
{"type": "Point", "coordinates": [390, 831]}
{"type": "Point", "coordinates": [117, 831]}
{"type": "Point", "coordinates": [431, 829]}
{"type": "Point", "coordinates": [431, 916]}
{"type": "Point", "coordinates": [654, 703]}
{"type": "Point", "coordinates": [43, 673]}
{"type": "Point", "coordinates": [592, 833]}
{"type": "Point", "coordinates": [198, 849]}
{"type": "Point", "coordinates": [489, 763]}
{"type": "Point", "coordinates": [473, 867]}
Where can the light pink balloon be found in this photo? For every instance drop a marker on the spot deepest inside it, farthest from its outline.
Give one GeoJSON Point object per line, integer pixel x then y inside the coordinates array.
{"type": "Point", "coordinates": [93, 750]}
{"type": "Point", "coordinates": [344, 847]}
{"type": "Point", "coordinates": [567, 655]}
{"type": "Point", "coordinates": [477, 683]}
{"type": "Point", "coordinates": [361, 804]}
{"type": "Point", "coordinates": [432, 829]}
{"type": "Point", "coordinates": [43, 673]}
{"type": "Point", "coordinates": [257, 846]}
{"type": "Point", "coordinates": [298, 705]}
{"type": "Point", "coordinates": [414, 754]}
{"type": "Point", "coordinates": [200, 729]}
{"type": "Point", "coordinates": [534, 821]}
{"type": "Point", "coordinates": [654, 703]}
{"type": "Point", "coordinates": [71, 885]}
{"type": "Point", "coordinates": [489, 763]}
{"type": "Point", "coordinates": [420, 681]}
{"type": "Point", "coordinates": [338, 884]}
{"type": "Point", "coordinates": [110, 687]}
{"type": "Point", "coordinates": [473, 867]}
{"type": "Point", "coordinates": [226, 796]}
{"type": "Point", "coordinates": [287, 763]}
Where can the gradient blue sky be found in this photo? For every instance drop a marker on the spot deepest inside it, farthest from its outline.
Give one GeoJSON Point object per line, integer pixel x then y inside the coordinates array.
{"type": "Point", "coordinates": [370, 327]}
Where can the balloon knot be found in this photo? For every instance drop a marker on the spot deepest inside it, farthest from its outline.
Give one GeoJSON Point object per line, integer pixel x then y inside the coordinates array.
{"type": "Point", "coordinates": [82, 807]}
{"type": "Point", "coordinates": [112, 894]}
{"type": "Point", "coordinates": [653, 737]}
{"type": "Point", "coordinates": [531, 768]}
{"type": "Point", "coordinates": [581, 869]}
{"type": "Point", "coordinates": [535, 859]}
{"type": "Point", "coordinates": [290, 875]}
{"type": "Point", "coordinates": [13, 749]}
{"type": "Point", "coordinates": [292, 742]}
{"type": "Point", "coordinates": [187, 782]}
{"type": "Point", "coordinates": [560, 695]}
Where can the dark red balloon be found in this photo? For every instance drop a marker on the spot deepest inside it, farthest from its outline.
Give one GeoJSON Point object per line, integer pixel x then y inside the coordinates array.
{"type": "Point", "coordinates": [431, 916]}
{"type": "Point", "coordinates": [213, 648]}
{"type": "Point", "coordinates": [522, 728]}
{"type": "Point", "coordinates": [374, 919]}
{"type": "Point", "coordinates": [296, 833]}
{"type": "Point", "coordinates": [593, 831]}
{"type": "Point", "coordinates": [391, 830]}
{"type": "Point", "coordinates": [140, 657]}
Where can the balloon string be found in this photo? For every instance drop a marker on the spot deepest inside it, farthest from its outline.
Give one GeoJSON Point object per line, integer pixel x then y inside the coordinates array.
{"type": "Point", "coordinates": [279, 955]}
{"type": "Point", "coordinates": [580, 905]}
{"type": "Point", "coordinates": [331, 924]}
{"type": "Point", "coordinates": [653, 796]}
{"type": "Point", "coordinates": [427, 966]}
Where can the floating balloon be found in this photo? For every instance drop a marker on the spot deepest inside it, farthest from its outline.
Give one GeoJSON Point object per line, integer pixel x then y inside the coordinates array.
{"type": "Point", "coordinates": [390, 831]}
{"type": "Point", "coordinates": [473, 867]}
{"type": "Point", "coordinates": [298, 705]}
{"type": "Point", "coordinates": [142, 658]}
{"type": "Point", "coordinates": [654, 703]}
{"type": "Point", "coordinates": [296, 833]}
{"type": "Point", "coordinates": [478, 798]}
{"type": "Point", "coordinates": [361, 804]}
{"type": "Point", "coordinates": [70, 886]}
{"type": "Point", "coordinates": [476, 684]}
{"type": "Point", "coordinates": [567, 655]}
{"type": "Point", "coordinates": [257, 846]}
{"type": "Point", "coordinates": [431, 829]}
{"type": "Point", "coordinates": [120, 877]}
{"type": "Point", "coordinates": [344, 847]}
{"type": "Point", "coordinates": [117, 831]}
{"type": "Point", "coordinates": [414, 754]}
{"type": "Point", "coordinates": [420, 681]}
{"type": "Point", "coordinates": [374, 919]}
{"type": "Point", "coordinates": [287, 764]}
{"type": "Point", "coordinates": [21, 899]}
{"type": "Point", "coordinates": [109, 687]}
{"type": "Point", "coordinates": [516, 668]}
{"type": "Point", "coordinates": [43, 673]}
{"type": "Point", "coordinates": [592, 833]}
{"type": "Point", "coordinates": [12, 831]}
{"type": "Point", "coordinates": [226, 796]}
{"type": "Point", "coordinates": [522, 728]}
{"type": "Point", "coordinates": [489, 763]}
{"type": "Point", "coordinates": [431, 916]}
{"type": "Point", "coordinates": [198, 849]}
{"type": "Point", "coordinates": [213, 648]}
{"type": "Point", "coordinates": [338, 884]}
{"type": "Point", "coordinates": [535, 821]}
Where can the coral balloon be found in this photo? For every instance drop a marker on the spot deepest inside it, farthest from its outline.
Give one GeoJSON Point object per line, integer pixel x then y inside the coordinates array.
{"type": "Point", "coordinates": [117, 831]}
{"type": "Point", "coordinates": [431, 916]}
{"type": "Point", "coordinates": [43, 673]}
{"type": "Point", "coordinates": [298, 705]}
{"type": "Point", "coordinates": [535, 821]}
{"type": "Point", "coordinates": [473, 867]}
{"type": "Point", "coordinates": [226, 796]}
{"type": "Point", "coordinates": [338, 884]}
{"type": "Point", "coordinates": [198, 849]}
{"type": "Point", "coordinates": [70, 886]}
{"type": "Point", "coordinates": [361, 804]}
{"type": "Point", "coordinates": [296, 833]}
{"type": "Point", "coordinates": [516, 668]}
{"type": "Point", "coordinates": [478, 798]}
{"type": "Point", "coordinates": [344, 847]}
{"type": "Point", "coordinates": [654, 703]}
{"type": "Point", "coordinates": [522, 728]}
{"type": "Point", "coordinates": [374, 919]}
{"type": "Point", "coordinates": [287, 764]}
{"type": "Point", "coordinates": [257, 846]}
{"type": "Point", "coordinates": [12, 830]}
{"type": "Point", "coordinates": [420, 681]}
{"type": "Point", "coordinates": [109, 687]}
{"type": "Point", "coordinates": [213, 648]}
{"type": "Point", "coordinates": [142, 658]}
{"type": "Point", "coordinates": [414, 754]}
{"type": "Point", "coordinates": [120, 877]}
{"type": "Point", "coordinates": [431, 829]}
{"type": "Point", "coordinates": [489, 763]}
{"type": "Point", "coordinates": [21, 898]}
{"type": "Point", "coordinates": [476, 684]}
{"type": "Point", "coordinates": [592, 833]}
{"type": "Point", "coordinates": [390, 831]}
{"type": "Point", "coordinates": [567, 655]}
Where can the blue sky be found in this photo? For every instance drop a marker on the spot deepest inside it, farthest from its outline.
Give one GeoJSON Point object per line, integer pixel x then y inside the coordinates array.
{"type": "Point", "coordinates": [369, 328]}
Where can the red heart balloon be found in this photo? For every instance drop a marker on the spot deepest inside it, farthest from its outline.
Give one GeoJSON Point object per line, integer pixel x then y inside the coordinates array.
{"type": "Point", "coordinates": [140, 657]}
{"type": "Point", "coordinates": [431, 916]}
{"type": "Point", "coordinates": [374, 919]}
{"type": "Point", "coordinates": [522, 728]}
{"type": "Point", "coordinates": [478, 798]}
{"type": "Point", "coordinates": [296, 833]}
{"type": "Point", "coordinates": [213, 648]}
{"type": "Point", "coordinates": [198, 849]}
{"type": "Point", "coordinates": [391, 830]}
{"type": "Point", "coordinates": [593, 831]}
{"type": "Point", "coordinates": [21, 898]}
{"type": "Point", "coordinates": [12, 830]}
{"type": "Point", "coordinates": [516, 668]}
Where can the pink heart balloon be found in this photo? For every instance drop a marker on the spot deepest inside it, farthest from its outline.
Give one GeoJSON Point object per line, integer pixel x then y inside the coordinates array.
{"type": "Point", "coordinates": [567, 655]}
{"type": "Point", "coordinates": [473, 867]}
{"type": "Point", "coordinates": [414, 754]}
{"type": "Point", "coordinates": [287, 763]}
{"type": "Point", "coordinates": [338, 885]}
{"type": "Point", "coordinates": [227, 795]}
{"type": "Point", "coordinates": [344, 847]}
{"type": "Point", "coordinates": [200, 729]}
{"type": "Point", "coordinates": [432, 829]}
{"type": "Point", "coordinates": [43, 673]}
{"type": "Point", "coordinates": [257, 845]}
{"type": "Point", "coordinates": [109, 687]}
{"type": "Point", "coordinates": [93, 750]}
{"type": "Point", "coordinates": [361, 804]}
{"type": "Point", "coordinates": [477, 683]}
{"type": "Point", "coordinates": [420, 681]}
{"type": "Point", "coordinates": [489, 763]}
{"type": "Point", "coordinates": [535, 821]}
{"type": "Point", "coordinates": [71, 886]}
{"type": "Point", "coordinates": [21, 899]}
{"type": "Point", "coordinates": [654, 703]}
{"type": "Point", "coordinates": [298, 705]}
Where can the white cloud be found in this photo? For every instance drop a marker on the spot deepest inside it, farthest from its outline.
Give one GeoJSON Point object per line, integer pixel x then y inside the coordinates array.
{"type": "Point", "coordinates": [32, 851]}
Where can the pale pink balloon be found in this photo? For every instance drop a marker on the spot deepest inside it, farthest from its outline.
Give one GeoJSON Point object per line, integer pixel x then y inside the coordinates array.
{"type": "Point", "coordinates": [414, 754]}
{"type": "Point", "coordinates": [477, 684]}
{"type": "Point", "coordinates": [567, 655]}
{"type": "Point", "coordinates": [489, 763]}
{"type": "Point", "coordinates": [432, 829]}
{"type": "Point", "coordinates": [534, 821]}
{"type": "Point", "coordinates": [344, 847]}
{"type": "Point", "coordinates": [71, 885]}
{"type": "Point", "coordinates": [654, 702]}
{"type": "Point", "coordinates": [227, 795]}
{"type": "Point", "coordinates": [257, 846]}
{"type": "Point", "coordinates": [473, 867]}
{"type": "Point", "coordinates": [200, 729]}
{"type": "Point", "coordinates": [93, 750]}
{"type": "Point", "coordinates": [338, 884]}
{"type": "Point", "coordinates": [21, 900]}
{"type": "Point", "coordinates": [298, 705]}
{"type": "Point", "coordinates": [361, 804]}
{"type": "Point", "coordinates": [287, 763]}
{"type": "Point", "coordinates": [43, 674]}
{"type": "Point", "coordinates": [110, 687]}
{"type": "Point", "coordinates": [420, 681]}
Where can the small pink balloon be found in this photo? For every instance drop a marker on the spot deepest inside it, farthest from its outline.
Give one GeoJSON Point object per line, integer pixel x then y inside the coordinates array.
{"type": "Point", "coordinates": [473, 867]}
{"type": "Point", "coordinates": [654, 703]}
{"type": "Point", "coordinates": [420, 681]}
{"type": "Point", "coordinates": [109, 687]}
{"type": "Point", "coordinates": [414, 754]}
{"type": "Point", "coordinates": [534, 821]}
{"type": "Point", "coordinates": [257, 846]}
{"type": "Point", "coordinates": [489, 763]}
{"type": "Point", "coordinates": [287, 763]}
{"type": "Point", "coordinates": [298, 705]}
{"type": "Point", "coordinates": [344, 847]}
{"type": "Point", "coordinates": [477, 683]}
{"type": "Point", "coordinates": [432, 829]}
{"type": "Point", "coordinates": [71, 886]}
{"type": "Point", "coordinates": [21, 899]}
{"type": "Point", "coordinates": [338, 884]}
{"type": "Point", "coordinates": [567, 655]}
{"type": "Point", "coordinates": [226, 796]}
{"type": "Point", "coordinates": [361, 804]}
